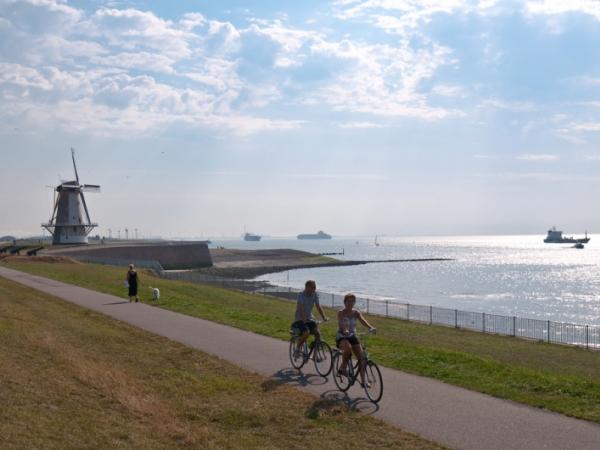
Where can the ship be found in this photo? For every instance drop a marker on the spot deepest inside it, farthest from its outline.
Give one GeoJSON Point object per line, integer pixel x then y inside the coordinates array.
{"type": "Point", "coordinates": [319, 235]}
{"type": "Point", "coordinates": [252, 237]}
{"type": "Point", "coordinates": [555, 237]}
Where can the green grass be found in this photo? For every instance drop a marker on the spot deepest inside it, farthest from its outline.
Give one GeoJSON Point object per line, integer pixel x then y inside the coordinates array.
{"type": "Point", "coordinates": [72, 378]}
{"type": "Point", "coordinates": [558, 378]}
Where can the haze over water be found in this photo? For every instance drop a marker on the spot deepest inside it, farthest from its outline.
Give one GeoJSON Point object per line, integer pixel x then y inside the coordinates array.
{"type": "Point", "coordinates": [511, 275]}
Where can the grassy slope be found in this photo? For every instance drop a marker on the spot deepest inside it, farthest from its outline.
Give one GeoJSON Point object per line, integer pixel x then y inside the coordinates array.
{"type": "Point", "coordinates": [558, 378]}
{"type": "Point", "coordinates": [72, 378]}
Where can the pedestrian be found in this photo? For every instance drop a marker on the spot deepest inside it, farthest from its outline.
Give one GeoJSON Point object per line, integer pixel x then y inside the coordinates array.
{"type": "Point", "coordinates": [132, 280]}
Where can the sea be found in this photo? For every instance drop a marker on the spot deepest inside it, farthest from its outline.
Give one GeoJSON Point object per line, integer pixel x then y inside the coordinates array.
{"type": "Point", "coordinates": [509, 275]}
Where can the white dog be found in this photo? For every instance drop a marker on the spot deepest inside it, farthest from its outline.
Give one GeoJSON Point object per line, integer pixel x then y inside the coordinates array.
{"type": "Point", "coordinates": [155, 293]}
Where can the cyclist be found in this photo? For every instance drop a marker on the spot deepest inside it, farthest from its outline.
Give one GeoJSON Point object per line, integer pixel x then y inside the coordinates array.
{"type": "Point", "coordinates": [304, 320]}
{"type": "Point", "coordinates": [346, 339]}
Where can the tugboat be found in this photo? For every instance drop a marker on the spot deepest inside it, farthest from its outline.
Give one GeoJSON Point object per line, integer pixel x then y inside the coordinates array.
{"type": "Point", "coordinates": [319, 235]}
{"type": "Point", "coordinates": [555, 237]}
{"type": "Point", "coordinates": [252, 237]}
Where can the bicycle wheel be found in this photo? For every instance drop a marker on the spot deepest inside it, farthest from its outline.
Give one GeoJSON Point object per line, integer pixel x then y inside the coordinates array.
{"type": "Point", "coordinates": [343, 382]}
{"type": "Point", "coordinates": [373, 383]}
{"type": "Point", "coordinates": [322, 358]}
{"type": "Point", "coordinates": [296, 360]}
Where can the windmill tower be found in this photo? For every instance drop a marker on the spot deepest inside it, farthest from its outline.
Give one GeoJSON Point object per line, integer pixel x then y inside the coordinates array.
{"type": "Point", "coordinates": [70, 222]}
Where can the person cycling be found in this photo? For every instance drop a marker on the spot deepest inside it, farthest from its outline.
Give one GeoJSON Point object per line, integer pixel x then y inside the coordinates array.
{"type": "Point", "coordinates": [304, 320]}
{"type": "Point", "coordinates": [346, 339]}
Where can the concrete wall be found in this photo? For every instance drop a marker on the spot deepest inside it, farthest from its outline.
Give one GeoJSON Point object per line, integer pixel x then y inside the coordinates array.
{"type": "Point", "coordinates": [171, 256]}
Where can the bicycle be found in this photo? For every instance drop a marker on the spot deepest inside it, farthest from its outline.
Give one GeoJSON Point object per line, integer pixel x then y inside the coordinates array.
{"type": "Point", "coordinates": [373, 382]}
{"type": "Point", "coordinates": [318, 350]}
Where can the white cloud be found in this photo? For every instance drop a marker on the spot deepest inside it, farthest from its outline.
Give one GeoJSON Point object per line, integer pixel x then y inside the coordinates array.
{"type": "Point", "coordinates": [339, 176]}
{"type": "Point", "coordinates": [360, 125]}
{"type": "Point", "coordinates": [190, 21]}
{"type": "Point", "coordinates": [381, 79]}
{"type": "Point", "coordinates": [448, 90]}
{"type": "Point", "coordinates": [515, 106]}
{"type": "Point", "coordinates": [137, 60]}
{"type": "Point", "coordinates": [559, 7]}
{"type": "Point", "coordinates": [404, 17]}
{"type": "Point", "coordinates": [537, 157]}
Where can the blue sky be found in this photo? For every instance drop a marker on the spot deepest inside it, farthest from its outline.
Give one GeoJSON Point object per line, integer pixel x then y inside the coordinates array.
{"type": "Point", "coordinates": [357, 117]}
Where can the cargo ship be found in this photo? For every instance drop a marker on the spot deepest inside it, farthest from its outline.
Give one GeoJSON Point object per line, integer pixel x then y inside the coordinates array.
{"type": "Point", "coordinates": [319, 235]}
{"type": "Point", "coordinates": [555, 237]}
{"type": "Point", "coordinates": [252, 237]}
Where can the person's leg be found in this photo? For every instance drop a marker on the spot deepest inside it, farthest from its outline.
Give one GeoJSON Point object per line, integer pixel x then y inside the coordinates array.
{"type": "Point", "coordinates": [346, 352]}
{"type": "Point", "coordinates": [313, 329]}
{"type": "Point", "coordinates": [357, 349]}
{"type": "Point", "coordinates": [303, 332]}
{"type": "Point", "coordinates": [301, 340]}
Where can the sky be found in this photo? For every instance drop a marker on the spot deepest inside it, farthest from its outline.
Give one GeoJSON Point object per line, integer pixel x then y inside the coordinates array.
{"type": "Point", "coordinates": [358, 117]}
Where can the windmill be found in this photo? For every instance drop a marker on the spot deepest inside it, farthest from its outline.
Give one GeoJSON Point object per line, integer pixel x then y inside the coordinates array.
{"type": "Point", "coordinates": [70, 222]}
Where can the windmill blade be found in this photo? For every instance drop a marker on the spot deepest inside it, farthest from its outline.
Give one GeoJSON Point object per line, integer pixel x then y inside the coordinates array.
{"type": "Point", "coordinates": [87, 214]}
{"type": "Point", "coordinates": [74, 165]}
{"type": "Point", "coordinates": [55, 207]}
{"type": "Point", "coordinates": [90, 188]}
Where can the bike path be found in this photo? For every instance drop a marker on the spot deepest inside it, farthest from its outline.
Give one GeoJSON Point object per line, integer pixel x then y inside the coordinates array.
{"type": "Point", "coordinates": [449, 415]}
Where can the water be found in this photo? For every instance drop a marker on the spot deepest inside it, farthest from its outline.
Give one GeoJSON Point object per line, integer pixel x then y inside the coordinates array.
{"type": "Point", "coordinates": [510, 275]}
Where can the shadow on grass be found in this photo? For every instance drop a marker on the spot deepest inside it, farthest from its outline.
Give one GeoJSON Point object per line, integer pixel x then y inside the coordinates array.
{"type": "Point", "coordinates": [293, 377]}
{"type": "Point", "coordinates": [362, 404]}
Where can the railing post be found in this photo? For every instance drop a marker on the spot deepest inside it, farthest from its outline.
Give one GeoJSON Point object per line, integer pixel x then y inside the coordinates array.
{"type": "Point", "coordinates": [387, 303]}
{"type": "Point", "coordinates": [483, 322]}
{"type": "Point", "coordinates": [456, 318]}
{"type": "Point", "coordinates": [430, 315]}
{"type": "Point", "coordinates": [514, 326]}
{"type": "Point", "coordinates": [367, 306]}
{"type": "Point", "coordinates": [587, 334]}
{"type": "Point", "coordinates": [332, 300]}
{"type": "Point", "coordinates": [408, 312]}
{"type": "Point", "coordinates": [548, 331]}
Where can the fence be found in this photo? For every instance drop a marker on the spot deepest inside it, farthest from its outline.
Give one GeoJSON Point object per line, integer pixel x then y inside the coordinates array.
{"type": "Point", "coordinates": [587, 336]}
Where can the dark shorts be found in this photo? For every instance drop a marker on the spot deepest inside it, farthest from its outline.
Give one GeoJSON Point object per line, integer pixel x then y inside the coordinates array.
{"type": "Point", "coordinates": [301, 326]}
{"type": "Point", "coordinates": [352, 339]}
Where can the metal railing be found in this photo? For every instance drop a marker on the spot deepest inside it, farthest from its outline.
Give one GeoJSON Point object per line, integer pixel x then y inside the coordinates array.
{"type": "Point", "coordinates": [587, 336]}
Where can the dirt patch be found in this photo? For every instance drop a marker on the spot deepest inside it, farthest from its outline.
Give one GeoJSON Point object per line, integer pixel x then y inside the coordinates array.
{"type": "Point", "coordinates": [44, 259]}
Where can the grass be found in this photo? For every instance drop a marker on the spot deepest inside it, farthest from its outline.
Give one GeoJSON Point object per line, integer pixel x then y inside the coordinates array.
{"type": "Point", "coordinates": [558, 378]}
{"type": "Point", "coordinates": [72, 378]}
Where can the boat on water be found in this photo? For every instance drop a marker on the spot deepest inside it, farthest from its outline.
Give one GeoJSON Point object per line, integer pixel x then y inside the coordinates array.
{"type": "Point", "coordinates": [252, 237]}
{"type": "Point", "coordinates": [579, 245]}
{"type": "Point", "coordinates": [555, 237]}
{"type": "Point", "coordinates": [319, 235]}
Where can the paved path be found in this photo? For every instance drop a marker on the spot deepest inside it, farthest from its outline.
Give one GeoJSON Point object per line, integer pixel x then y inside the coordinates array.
{"type": "Point", "coordinates": [452, 416]}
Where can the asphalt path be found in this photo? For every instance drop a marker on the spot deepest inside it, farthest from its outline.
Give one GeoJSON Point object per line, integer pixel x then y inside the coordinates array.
{"type": "Point", "coordinates": [449, 415]}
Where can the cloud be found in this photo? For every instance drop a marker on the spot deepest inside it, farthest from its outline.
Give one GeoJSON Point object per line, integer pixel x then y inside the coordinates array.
{"type": "Point", "coordinates": [405, 17]}
{"type": "Point", "coordinates": [339, 176]}
{"type": "Point", "coordinates": [447, 90]}
{"type": "Point", "coordinates": [381, 79]}
{"type": "Point", "coordinates": [537, 157]}
{"type": "Point", "coordinates": [559, 7]}
{"type": "Point", "coordinates": [360, 125]}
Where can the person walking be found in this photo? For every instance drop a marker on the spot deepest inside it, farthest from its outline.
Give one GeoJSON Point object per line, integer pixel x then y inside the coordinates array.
{"type": "Point", "coordinates": [132, 280]}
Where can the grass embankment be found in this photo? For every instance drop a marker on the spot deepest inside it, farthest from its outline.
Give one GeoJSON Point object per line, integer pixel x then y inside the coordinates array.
{"type": "Point", "coordinates": [562, 379]}
{"type": "Point", "coordinates": [72, 378]}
